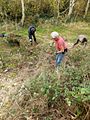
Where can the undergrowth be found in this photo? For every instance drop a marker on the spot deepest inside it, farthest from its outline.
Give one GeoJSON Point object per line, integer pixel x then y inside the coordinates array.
{"type": "Point", "coordinates": [43, 96]}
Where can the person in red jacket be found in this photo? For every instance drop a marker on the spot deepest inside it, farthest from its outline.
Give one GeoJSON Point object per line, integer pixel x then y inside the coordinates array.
{"type": "Point", "coordinates": [61, 47]}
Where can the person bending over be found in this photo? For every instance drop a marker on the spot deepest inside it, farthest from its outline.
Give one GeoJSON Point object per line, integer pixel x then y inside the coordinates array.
{"type": "Point", "coordinates": [81, 39]}
{"type": "Point", "coordinates": [31, 33]}
{"type": "Point", "coordinates": [61, 47]}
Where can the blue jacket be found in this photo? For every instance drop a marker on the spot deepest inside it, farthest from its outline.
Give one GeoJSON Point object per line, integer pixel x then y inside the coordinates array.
{"type": "Point", "coordinates": [31, 29]}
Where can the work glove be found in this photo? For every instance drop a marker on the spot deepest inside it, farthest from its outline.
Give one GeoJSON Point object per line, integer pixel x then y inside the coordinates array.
{"type": "Point", "coordinates": [30, 40]}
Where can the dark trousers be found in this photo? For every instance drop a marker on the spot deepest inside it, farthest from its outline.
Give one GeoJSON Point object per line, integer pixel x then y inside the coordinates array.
{"type": "Point", "coordinates": [84, 41]}
{"type": "Point", "coordinates": [32, 35]}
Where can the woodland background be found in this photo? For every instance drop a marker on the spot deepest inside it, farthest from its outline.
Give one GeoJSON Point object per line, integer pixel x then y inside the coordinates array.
{"type": "Point", "coordinates": [36, 11]}
{"type": "Point", "coordinates": [29, 85]}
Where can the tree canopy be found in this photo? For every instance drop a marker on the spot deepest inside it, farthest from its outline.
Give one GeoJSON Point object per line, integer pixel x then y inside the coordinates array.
{"type": "Point", "coordinates": [44, 9]}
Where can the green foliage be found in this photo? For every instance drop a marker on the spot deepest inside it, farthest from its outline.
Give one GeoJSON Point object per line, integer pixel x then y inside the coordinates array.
{"type": "Point", "coordinates": [45, 9]}
{"type": "Point", "coordinates": [78, 94]}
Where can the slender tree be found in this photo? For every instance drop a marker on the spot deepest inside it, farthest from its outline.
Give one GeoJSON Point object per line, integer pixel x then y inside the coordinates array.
{"type": "Point", "coordinates": [71, 5]}
{"type": "Point", "coordinates": [58, 7]}
{"type": "Point", "coordinates": [87, 7]}
{"type": "Point", "coordinates": [23, 12]}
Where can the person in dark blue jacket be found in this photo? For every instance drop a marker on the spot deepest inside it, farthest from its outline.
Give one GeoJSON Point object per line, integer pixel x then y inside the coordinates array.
{"type": "Point", "coordinates": [31, 33]}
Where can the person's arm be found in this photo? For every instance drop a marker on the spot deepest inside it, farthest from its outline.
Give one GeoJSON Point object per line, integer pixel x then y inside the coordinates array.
{"type": "Point", "coordinates": [76, 42]}
{"type": "Point", "coordinates": [60, 51]}
{"type": "Point", "coordinates": [85, 44]}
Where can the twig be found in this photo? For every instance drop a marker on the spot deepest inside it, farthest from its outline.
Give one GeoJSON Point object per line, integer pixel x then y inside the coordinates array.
{"type": "Point", "coordinates": [87, 114]}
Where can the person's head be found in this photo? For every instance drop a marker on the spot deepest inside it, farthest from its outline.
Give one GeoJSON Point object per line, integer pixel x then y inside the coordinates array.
{"type": "Point", "coordinates": [33, 29]}
{"type": "Point", "coordinates": [55, 35]}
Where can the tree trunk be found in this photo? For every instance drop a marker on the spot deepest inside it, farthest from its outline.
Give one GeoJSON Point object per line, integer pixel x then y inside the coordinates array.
{"type": "Point", "coordinates": [23, 12]}
{"type": "Point", "coordinates": [72, 3]}
{"type": "Point", "coordinates": [87, 7]}
{"type": "Point", "coordinates": [58, 5]}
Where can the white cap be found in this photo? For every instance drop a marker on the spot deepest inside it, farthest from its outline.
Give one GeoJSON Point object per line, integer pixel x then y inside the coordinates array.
{"type": "Point", "coordinates": [54, 34]}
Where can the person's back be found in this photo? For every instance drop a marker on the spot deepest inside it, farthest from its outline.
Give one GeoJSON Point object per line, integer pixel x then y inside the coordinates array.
{"type": "Point", "coordinates": [81, 38]}
{"type": "Point", "coordinates": [32, 29]}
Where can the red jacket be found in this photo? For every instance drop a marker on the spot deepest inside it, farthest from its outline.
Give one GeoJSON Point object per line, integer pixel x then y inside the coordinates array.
{"type": "Point", "coordinates": [60, 44]}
